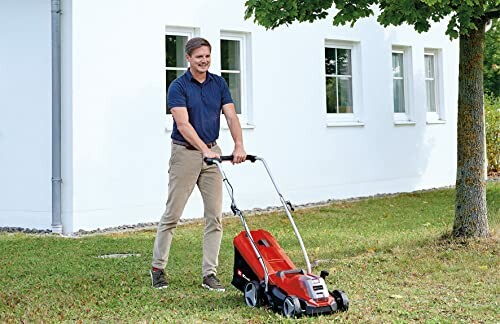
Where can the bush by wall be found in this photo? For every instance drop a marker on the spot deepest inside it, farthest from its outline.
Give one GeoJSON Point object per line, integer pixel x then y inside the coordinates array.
{"type": "Point", "coordinates": [492, 111]}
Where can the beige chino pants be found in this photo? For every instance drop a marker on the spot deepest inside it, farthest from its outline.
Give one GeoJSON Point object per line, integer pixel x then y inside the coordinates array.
{"type": "Point", "coordinates": [187, 169]}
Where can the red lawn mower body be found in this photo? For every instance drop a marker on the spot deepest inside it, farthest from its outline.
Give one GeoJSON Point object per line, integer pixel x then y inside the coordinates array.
{"type": "Point", "coordinates": [284, 279]}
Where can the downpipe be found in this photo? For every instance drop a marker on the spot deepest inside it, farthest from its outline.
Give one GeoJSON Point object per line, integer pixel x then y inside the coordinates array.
{"type": "Point", "coordinates": [57, 226]}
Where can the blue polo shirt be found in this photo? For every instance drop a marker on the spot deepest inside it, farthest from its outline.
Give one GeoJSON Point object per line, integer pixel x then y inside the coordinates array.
{"type": "Point", "coordinates": [203, 101]}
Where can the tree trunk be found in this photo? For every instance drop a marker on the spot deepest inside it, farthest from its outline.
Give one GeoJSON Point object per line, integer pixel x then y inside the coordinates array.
{"type": "Point", "coordinates": [471, 217]}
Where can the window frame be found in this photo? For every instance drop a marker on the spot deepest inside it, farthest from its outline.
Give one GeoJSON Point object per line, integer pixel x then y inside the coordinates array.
{"type": "Point", "coordinates": [405, 117]}
{"type": "Point", "coordinates": [438, 115]}
{"type": "Point", "coordinates": [244, 40]}
{"type": "Point", "coordinates": [345, 119]}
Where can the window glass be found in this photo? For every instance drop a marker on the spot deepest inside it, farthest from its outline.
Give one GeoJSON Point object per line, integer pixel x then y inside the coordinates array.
{"type": "Point", "coordinates": [231, 69]}
{"type": "Point", "coordinates": [344, 61]}
{"type": "Point", "coordinates": [174, 51]}
{"type": "Point", "coordinates": [330, 61]}
{"type": "Point", "coordinates": [172, 75]}
{"type": "Point", "coordinates": [233, 81]}
{"type": "Point", "coordinates": [430, 83]}
{"type": "Point", "coordinates": [399, 96]}
{"type": "Point", "coordinates": [398, 82]}
{"type": "Point", "coordinates": [430, 89]}
{"type": "Point", "coordinates": [331, 95]}
{"type": "Point", "coordinates": [345, 95]}
{"type": "Point", "coordinates": [175, 60]}
{"type": "Point", "coordinates": [429, 66]}
{"type": "Point", "coordinates": [338, 81]}
{"type": "Point", "coordinates": [397, 65]}
{"type": "Point", "coordinates": [230, 54]}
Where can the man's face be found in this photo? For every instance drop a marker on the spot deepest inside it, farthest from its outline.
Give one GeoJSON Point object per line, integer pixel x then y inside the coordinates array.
{"type": "Point", "coordinates": [199, 60]}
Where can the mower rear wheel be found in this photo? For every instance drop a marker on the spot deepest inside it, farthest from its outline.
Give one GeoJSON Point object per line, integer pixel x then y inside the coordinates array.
{"type": "Point", "coordinates": [252, 294]}
{"type": "Point", "coordinates": [341, 300]}
{"type": "Point", "coordinates": [291, 307]}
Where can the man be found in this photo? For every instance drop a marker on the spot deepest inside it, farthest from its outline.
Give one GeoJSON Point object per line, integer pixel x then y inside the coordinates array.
{"type": "Point", "coordinates": [195, 100]}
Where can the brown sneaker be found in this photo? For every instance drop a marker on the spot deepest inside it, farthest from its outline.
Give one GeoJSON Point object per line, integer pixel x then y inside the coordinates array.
{"type": "Point", "coordinates": [211, 282]}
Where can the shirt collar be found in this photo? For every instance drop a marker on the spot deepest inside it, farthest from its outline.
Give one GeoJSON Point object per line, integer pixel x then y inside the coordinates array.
{"type": "Point", "coordinates": [191, 78]}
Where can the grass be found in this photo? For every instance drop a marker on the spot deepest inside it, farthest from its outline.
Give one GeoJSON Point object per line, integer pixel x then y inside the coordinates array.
{"type": "Point", "coordinates": [391, 255]}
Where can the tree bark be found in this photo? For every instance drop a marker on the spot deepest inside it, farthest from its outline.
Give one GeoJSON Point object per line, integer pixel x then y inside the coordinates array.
{"type": "Point", "coordinates": [471, 217]}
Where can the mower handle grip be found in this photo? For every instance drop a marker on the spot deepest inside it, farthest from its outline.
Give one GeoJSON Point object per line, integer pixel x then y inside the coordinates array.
{"type": "Point", "coordinates": [210, 161]}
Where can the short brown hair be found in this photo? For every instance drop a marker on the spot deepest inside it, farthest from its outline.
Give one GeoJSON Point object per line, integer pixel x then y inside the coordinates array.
{"type": "Point", "coordinates": [195, 43]}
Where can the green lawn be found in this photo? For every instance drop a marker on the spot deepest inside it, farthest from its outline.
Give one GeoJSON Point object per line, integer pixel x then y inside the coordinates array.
{"type": "Point", "coordinates": [391, 256]}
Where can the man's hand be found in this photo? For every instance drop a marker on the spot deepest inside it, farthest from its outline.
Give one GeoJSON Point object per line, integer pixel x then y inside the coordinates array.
{"type": "Point", "coordinates": [239, 154]}
{"type": "Point", "coordinates": [211, 155]}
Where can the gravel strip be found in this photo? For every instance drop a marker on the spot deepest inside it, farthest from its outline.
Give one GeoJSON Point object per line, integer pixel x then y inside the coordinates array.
{"type": "Point", "coordinates": [251, 212]}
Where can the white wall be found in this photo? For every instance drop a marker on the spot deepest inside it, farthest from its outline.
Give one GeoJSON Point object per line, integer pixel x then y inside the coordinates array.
{"type": "Point", "coordinates": [116, 162]}
{"type": "Point", "coordinates": [25, 113]}
{"type": "Point", "coordinates": [119, 142]}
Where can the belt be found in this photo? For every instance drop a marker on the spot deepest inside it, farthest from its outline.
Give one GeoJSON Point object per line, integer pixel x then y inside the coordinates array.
{"type": "Point", "coordinates": [191, 147]}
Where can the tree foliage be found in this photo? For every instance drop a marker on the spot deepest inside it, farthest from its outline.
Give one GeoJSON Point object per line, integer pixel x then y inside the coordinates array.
{"type": "Point", "coordinates": [463, 14]}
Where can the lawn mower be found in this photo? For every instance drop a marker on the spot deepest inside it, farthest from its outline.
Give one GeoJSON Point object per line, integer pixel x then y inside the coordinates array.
{"type": "Point", "coordinates": [267, 276]}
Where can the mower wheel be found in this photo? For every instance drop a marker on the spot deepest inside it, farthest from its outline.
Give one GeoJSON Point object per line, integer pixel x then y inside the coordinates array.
{"type": "Point", "coordinates": [341, 300]}
{"type": "Point", "coordinates": [252, 294]}
{"type": "Point", "coordinates": [291, 307]}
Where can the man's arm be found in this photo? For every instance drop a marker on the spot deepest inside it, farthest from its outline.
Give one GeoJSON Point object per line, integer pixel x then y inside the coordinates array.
{"type": "Point", "coordinates": [187, 131]}
{"type": "Point", "coordinates": [239, 154]}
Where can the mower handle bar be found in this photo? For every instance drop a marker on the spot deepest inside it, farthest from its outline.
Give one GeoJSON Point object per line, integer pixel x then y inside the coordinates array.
{"type": "Point", "coordinates": [286, 204]}
{"type": "Point", "coordinates": [210, 161]}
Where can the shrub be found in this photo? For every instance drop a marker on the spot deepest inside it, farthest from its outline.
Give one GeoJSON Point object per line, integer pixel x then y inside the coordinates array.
{"type": "Point", "coordinates": [492, 111]}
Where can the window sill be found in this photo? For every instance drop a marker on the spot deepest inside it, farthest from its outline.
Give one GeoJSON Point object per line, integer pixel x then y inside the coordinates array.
{"type": "Point", "coordinates": [344, 124]}
{"type": "Point", "coordinates": [436, 122]}
{"type": "Point", "coordinates": [404, 123]}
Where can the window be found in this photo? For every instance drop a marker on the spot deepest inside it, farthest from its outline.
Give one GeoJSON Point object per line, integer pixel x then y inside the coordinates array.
{"type": "Point", "coordinates": [231, 69]}
{"type": "Point", "coordinates": [338, 80]}
{"type": "Point", "coordinates": [430, 83]}
{"type": "Point", "coordinates": [401, 81]}
{"type": "Point", "coordinates": [175, 60]}
{"type": "Point", "coordinates": [234, 55]}
{"type": "Point", "coordinates": [432, 93]}
{"type": "Point", "coordinates": [398, 82]}
{"type": "Point", "coordinates": [343, 99]}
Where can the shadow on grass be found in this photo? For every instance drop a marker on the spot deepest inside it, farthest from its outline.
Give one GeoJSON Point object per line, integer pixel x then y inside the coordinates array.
{"type": "Point", "coordinates": [448, 240]}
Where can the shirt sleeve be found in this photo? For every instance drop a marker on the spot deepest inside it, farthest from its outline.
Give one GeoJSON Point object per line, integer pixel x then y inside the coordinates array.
{"type": "Point", "coordinates": [226, 95]}
{"type": "Point", "coordinates": [176, 96]}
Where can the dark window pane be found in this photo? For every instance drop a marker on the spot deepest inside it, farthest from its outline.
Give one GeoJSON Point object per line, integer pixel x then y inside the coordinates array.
{"type": "Point", "coordinates": [331, 95]}
{"type": "Point", "coordinates": [344, 61]}
{"type": "Point", "coordinates": [174, 51]}
{"type": "Point", "coordinates": [233, 81]}
{"type": "Point", "coordinates": [330, 61]}
{"type": "Point", "coordinates": [171, 76]}
{"type": "Point", "coordinates": [230, 54]}
{"type": "Point", "coordinates": [345, 95]}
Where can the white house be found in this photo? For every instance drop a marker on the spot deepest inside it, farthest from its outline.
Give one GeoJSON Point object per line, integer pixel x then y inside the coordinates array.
{"type": "Point", "coordinates": [337, 112]}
